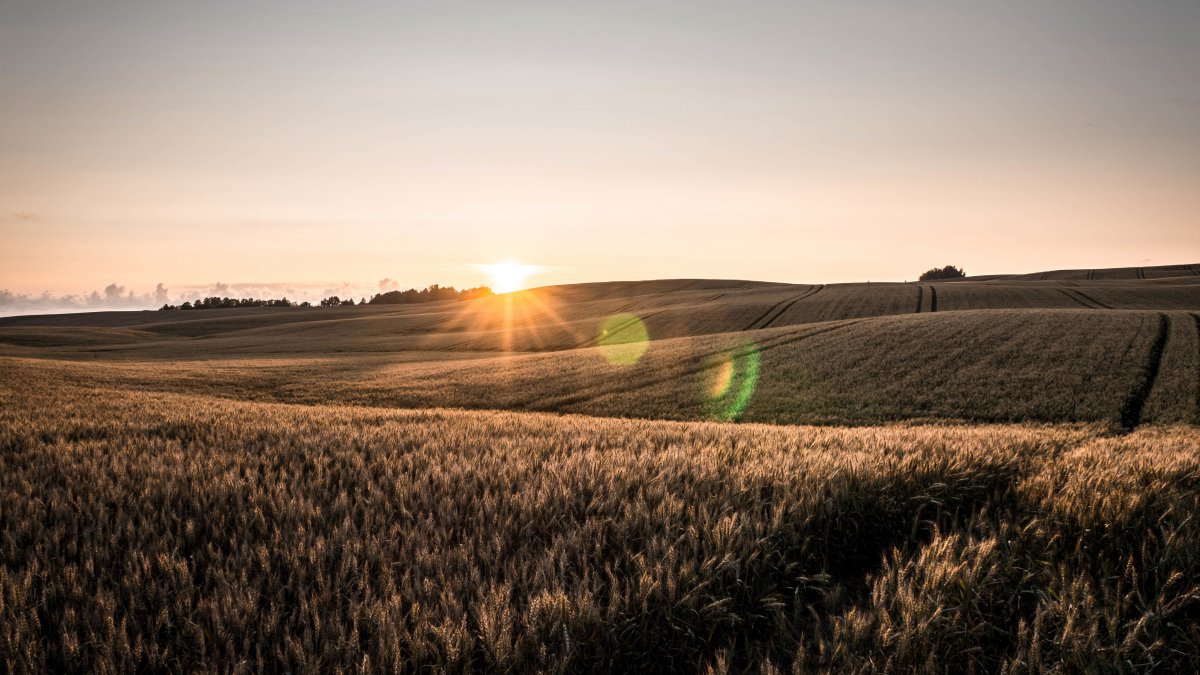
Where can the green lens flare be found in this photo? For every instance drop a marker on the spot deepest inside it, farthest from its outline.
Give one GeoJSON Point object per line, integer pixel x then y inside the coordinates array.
{"type": "Point", "coordinates": [732, 379]}
{"type": "Point", "coordinates": [623, 339]}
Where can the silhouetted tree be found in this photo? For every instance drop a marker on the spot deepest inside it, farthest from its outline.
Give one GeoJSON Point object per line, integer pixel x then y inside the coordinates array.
{"type": "Point", "coordinates": [947, 272]}
{"type": "Point", "coordinates": [432, 293]}
{"type": "Point", "coordinates": [412, 295]}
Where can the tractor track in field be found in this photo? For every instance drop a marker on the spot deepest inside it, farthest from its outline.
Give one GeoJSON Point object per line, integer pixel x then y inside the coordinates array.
{"type": "Point", "coordinates": [1197, 318]}
{"type": "Point", "coordinates": [1141, 273]}
{"type": "Point", "coordinates": [704, 363]}
{"type": "Point", "coordinates": [1076, 300]}
{"type": "Point", "coordinates": [1093, 300]}
{"type": "Point", "coordinates": [1091, 275]}
{"type": "Point", "coordinates": [641, 300]}
{"type": "Point", "coordinates": [1131, 411]}
{"type": "Point", "coordinates": [1084, 299]}
{"type": "Point", "coordinates": [920, 294]}
{"type": "Point", "coordinates": [783, 310]}
{"type": "Point", "coordinates": [782, 306]}
{"type": "Point", "coordinates": [1195, 269]}
{"type": "Point", "coordinates": [932, 299]}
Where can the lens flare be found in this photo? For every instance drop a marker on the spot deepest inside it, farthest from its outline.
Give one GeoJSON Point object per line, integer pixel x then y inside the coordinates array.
{"type": "Point", "coordinates": [722, 378]}
{"type": "Point", "coordinates": [623, 339]}
{"type": "Point", "coordinates": [732, 379]}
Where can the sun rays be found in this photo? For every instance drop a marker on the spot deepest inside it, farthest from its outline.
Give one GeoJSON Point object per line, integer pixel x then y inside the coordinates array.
{"type": "Point", "coordinates": [508, 276]}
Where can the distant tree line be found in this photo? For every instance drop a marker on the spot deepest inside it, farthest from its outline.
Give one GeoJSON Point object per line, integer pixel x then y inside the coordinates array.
{"type": "Point", "coordinates": [947, 272]}
{"type": "Point", "coordinates": [226, 303]}
{"type": "Point", "coordinates": [432, 293]}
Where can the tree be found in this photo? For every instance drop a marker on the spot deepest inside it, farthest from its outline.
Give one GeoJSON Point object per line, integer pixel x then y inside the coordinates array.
{"type": "Point", "coordinates": [947, 272]}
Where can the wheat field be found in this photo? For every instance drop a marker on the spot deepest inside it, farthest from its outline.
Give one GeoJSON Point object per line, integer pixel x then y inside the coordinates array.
{"type": "Point", "coordinates": [164, 531]}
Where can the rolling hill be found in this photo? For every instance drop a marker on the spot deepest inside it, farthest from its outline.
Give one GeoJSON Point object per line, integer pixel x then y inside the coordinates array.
{"type": "Point", "coordinates": [1121, 348]}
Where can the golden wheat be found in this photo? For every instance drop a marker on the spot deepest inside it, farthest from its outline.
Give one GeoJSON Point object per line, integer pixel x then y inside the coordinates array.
{"type": "Point", "coordinates": [160, 531]}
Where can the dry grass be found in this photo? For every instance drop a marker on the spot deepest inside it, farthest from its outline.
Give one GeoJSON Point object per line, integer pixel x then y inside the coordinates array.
{"type": "Point", "coordinates": [152, 531]}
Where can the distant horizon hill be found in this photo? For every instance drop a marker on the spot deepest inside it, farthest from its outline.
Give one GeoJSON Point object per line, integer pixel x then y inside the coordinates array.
{"type": "Point", "coordinates": [1096, 274]}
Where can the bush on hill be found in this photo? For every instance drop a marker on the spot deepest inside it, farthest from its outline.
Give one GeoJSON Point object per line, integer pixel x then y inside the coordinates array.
{"type": "Point", "coordinates": [947, 272]}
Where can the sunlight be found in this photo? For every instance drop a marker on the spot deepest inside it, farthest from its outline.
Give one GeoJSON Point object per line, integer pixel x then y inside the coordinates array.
{"type": "Point", "coordinates": [508, 276]}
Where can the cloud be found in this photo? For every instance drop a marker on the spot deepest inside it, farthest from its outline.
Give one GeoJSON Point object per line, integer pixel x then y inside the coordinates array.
{"type": "Point", "coordinates": [117, 296]}
{"type": "Point", "coordinates": [297, 292]}
{"type": "Point", "coordinates": [27, 216]}
{"type": "Point", "coordinates": [114, 296]}
{"type": "Point", "coordinates": [386, 285]}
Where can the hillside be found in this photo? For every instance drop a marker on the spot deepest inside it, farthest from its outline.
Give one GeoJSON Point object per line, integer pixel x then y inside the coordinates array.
{"type": "Point", "coordinates": [1119, 352]}
{"type": "Point", "coordinates": [1115, 273]}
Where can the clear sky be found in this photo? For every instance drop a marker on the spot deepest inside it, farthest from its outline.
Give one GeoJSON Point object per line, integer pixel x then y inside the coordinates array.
{"type": "Point", "coordinates": [308, 145]}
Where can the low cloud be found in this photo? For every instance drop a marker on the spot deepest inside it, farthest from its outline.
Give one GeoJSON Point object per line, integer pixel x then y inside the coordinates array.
{"type": "Point", "coordinates": [386, 285]}
{"type": "Point", "coordinates": [296, 292]}
{"type": "Point", "coordinates": [117, 296]}
{"type": "Point", "coordinates": [27, 216]}
{"type": "Point", "coordinates": [114, 296]}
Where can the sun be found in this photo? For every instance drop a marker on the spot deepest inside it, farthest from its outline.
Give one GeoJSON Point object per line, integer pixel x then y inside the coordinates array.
{"type": "Point", "coordinates": [508, 276]}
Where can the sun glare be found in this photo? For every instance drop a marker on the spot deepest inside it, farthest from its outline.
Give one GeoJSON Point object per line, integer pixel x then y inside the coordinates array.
{"type": "Point", "coordinates": [508, 276]}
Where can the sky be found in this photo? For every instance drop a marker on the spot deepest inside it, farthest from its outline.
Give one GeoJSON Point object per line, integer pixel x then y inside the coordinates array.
{"type": "Point", "coordinates": [159, 149]}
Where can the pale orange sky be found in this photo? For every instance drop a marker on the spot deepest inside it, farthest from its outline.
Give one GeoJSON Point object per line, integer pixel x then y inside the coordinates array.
{"type": "Point", "coordinates": [316, 144]}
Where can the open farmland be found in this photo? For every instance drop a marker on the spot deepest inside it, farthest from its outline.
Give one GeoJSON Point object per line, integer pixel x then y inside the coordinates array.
{"type": "Point", "coordinates": [1121, 353]}
{"type": "Point", "coordinates": [994, 476]}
